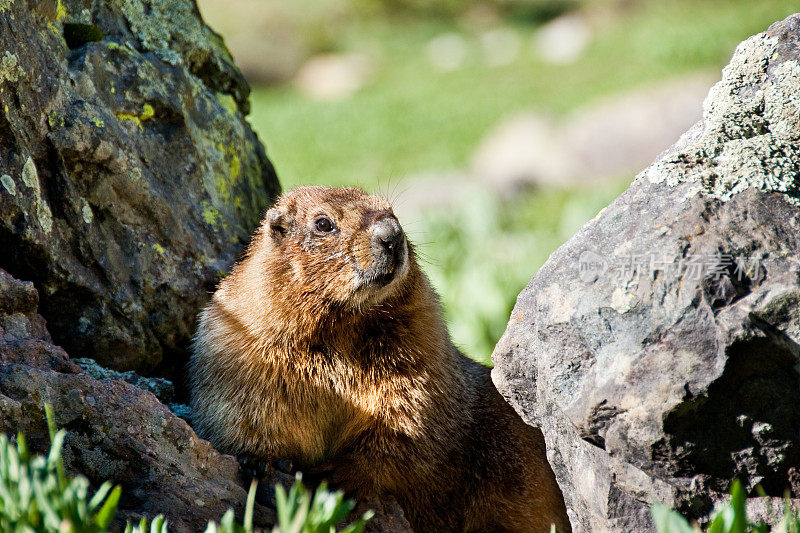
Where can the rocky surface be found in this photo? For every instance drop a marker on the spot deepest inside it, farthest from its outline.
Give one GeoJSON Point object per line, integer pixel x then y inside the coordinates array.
{"type": "Point", "coordinates": [115, 430]}
{"type": "Point", "coordinates": [658, 348]}
{"type": "Point", "coordinates": [129, 178]}
{"type": "Point", "coordinates": [333, 77]}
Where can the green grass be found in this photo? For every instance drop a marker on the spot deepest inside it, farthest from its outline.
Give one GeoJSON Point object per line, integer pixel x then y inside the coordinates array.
{"type": "Point", "coordinates": [412, 118]}
{"type": "Point", "coordinates": [481, 254]}
{"type": "Point", "coordinates": [731, 517]}
{"type": "Point", "coordinates": [36, 495]}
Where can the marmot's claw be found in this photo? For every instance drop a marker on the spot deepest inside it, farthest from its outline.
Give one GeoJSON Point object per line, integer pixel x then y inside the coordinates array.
{"type": "Point", "coordinates": [284, 464]}
{"type": "Point", "coordinates": [253, 466]}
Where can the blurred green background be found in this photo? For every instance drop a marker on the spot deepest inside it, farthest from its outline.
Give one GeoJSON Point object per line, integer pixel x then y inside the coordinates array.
{"type": "Point", "coordinates": [497, 128]}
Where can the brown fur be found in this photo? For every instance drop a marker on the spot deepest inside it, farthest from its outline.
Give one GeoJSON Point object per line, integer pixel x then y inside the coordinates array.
{"type": "Point", "coordinates": [293, 358]}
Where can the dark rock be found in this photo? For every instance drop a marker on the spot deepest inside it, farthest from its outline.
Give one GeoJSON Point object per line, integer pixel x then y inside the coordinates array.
{"type": "Point", "coordinates": [23, 333]}
{"type": "Point", "coordinates": [115, 431]}
{"type": "Point", "coordinates": [129, 180]}
{"type": "Point", "coordinates": [598, 142]}
{"type": "Point", "coordinates": [162, 388]}
{"type": "Point", "coordinates": [181, 410]}
{"type": "Point", "coordinates": [658, 348]}
{"type": "Point", "coordinates": [118, 432]}
{"type": "Point", "coordinates": [388, 518]}
{"type": "Point", "coordinates": [129, 177]}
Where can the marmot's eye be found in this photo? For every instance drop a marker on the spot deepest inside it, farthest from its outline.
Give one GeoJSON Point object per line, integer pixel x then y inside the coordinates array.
{"type": "Point", "coordinates": [324, 225]}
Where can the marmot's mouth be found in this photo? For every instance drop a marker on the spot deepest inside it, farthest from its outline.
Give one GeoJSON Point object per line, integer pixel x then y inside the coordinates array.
{"type": "Point", "coordinates": [381, 280]}
{"type": "Point", "coordinates": [387, 266]}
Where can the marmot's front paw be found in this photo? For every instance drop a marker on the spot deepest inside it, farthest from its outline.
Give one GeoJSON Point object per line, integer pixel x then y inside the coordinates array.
{"type": "Point", "coordinates": [285, 465]}
{"type": "Point", "coordinates": [252, 466]}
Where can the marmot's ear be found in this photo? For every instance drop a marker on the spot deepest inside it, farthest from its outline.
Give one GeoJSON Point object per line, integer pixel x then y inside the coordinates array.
{"type": "Point", "coordinates": [277, 224]}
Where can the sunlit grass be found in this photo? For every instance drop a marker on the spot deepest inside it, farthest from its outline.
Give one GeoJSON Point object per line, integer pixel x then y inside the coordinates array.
{"type": "Point", "coordinates": [412, 118]}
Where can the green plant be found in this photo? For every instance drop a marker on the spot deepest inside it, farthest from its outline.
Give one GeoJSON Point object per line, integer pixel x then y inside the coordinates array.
{"type": "Point", "coordinates": [301, 512]}
{"type": "Point", "coordinates": [480, 253]}
{"type": "Point", "coordinates": [228, 524]}
{"type": "Point", "coordinates": [158, 525]}
{"type": "Point", "coordinates": [730, 518]}
{"type": "Point", "coordinates": [36, 494]}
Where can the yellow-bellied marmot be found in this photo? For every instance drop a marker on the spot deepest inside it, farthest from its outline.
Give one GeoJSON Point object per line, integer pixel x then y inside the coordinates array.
{"type": "Point", "coordinates": [326, 345]}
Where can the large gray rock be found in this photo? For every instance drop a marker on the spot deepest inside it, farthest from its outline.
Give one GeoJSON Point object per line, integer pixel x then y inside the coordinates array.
{"type": "Point", "coordinates": [665, 379]}
{"type": "Point", "coordinates": [129, 177]}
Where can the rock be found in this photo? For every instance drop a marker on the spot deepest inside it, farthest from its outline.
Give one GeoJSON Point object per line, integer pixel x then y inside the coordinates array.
{"type": "Point", "coordinates": [389, 516]}
{"type": "Point", "coordinates": [500, 46]}
{"type": "Point", "coordinates": [23, 332]}
{"type": "Point", "coordinates": [447, 52]}
{"type": "Point", "coordinates": [267, 39]}
{"type": "Point", "coordinates": [523, 150]}
{"type": "Point", "coordinates": [115, 431]}
{"type": "Point", "coordinates": [600, 142]}
{"type": "Point", "coordinates": [426, 192]}
{"type": "Point", "coordinates": [163, 389]}
{"type": "Point", "coordinates": [658, 348]}
{"type": "Point", "coordinates": [130, 177]}
{"type": "Point", "coordinates": [129, 180]}
{"type": "Point", "coordinates": [626, 132]}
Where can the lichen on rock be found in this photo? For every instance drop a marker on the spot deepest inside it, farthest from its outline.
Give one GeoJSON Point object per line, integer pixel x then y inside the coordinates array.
{"type": "Point", "coordinates": [751, 129]}
{"type": "Point", "coordinates": [9, 185]}
{"type": "Point", "coordinates": [9, 68]}
{"type": "Point", "coordinates": [116, 150]}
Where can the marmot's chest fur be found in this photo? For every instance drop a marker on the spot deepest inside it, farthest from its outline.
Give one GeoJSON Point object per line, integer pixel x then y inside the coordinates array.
{"type": "Point", "coordinates": [326, 345]}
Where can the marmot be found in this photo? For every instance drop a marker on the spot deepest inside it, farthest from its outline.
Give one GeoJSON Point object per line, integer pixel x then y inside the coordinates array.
{"type": "Point", "coordinates": [326, 345]}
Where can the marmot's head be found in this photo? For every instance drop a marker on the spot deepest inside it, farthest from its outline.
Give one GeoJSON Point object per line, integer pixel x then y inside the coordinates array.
{"type": "Point", "coordinates": [339, 244]}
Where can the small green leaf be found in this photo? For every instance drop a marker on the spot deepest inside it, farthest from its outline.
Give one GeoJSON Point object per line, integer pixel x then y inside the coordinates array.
{"type": "Point", "coordinates": [738, 506]}
{"type": "Point", "coordinates": [159, 525]}
{"type": "Point", "coordinates": [54, 457]}
{"type": "Point", "coordinates": [51, 420]}
{"type": "Point", "coordinates": [669, 521]}
{"type": "Point", "coordinates": [106, 513]}
{"type": "Point", "coordinates": [248, 509]}
{"type": "Point", "coordinates": [22, 448]}
{"type": "Point", "coordinates": [227, 521]}
{"type": "Point", "coordinates": [100, 495]}
{"type": "Point", "coordinates": [717, 524]}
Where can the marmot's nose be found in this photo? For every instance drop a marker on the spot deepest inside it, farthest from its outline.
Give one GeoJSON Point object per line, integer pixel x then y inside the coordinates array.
{"type": "Point", "coordinates": [388, 233]}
